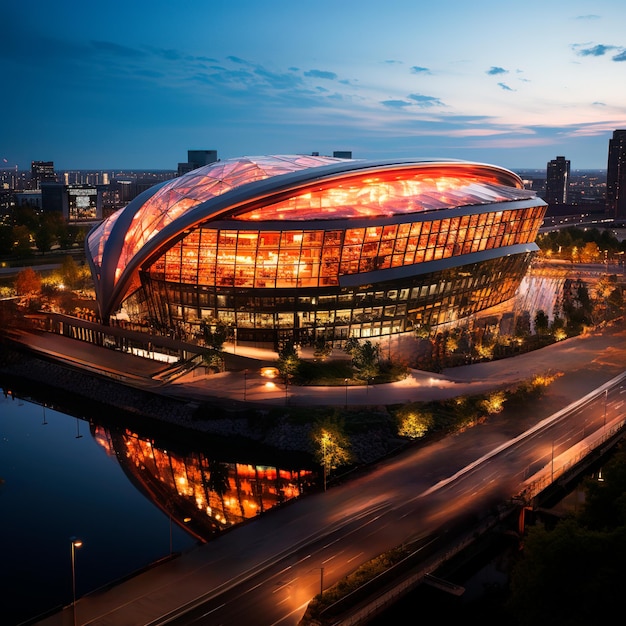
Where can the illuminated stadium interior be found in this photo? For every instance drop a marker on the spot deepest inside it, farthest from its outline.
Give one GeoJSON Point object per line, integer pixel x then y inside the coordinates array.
{"type": "Point", "coordinates": [302, 247]}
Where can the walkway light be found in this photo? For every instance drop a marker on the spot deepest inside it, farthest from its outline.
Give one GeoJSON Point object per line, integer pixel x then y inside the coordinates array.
{"type": "Point", "coordinates": [75, 543]}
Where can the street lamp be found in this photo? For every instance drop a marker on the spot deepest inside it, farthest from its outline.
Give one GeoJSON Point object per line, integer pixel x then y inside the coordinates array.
{"type": "Point", "coordinates": [75, 543]}
{"type": "Point", "coordinates": [346, 381]}
{"type": "Point", "coordinates": [324, 441]}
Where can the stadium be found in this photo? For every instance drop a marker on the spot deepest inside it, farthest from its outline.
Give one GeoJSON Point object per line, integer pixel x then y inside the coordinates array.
{"type": "Point", "coordinates": [303, 248]}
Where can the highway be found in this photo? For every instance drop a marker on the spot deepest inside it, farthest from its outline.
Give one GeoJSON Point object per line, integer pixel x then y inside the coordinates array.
{"type": "Point", "coordinates": [421, 497]}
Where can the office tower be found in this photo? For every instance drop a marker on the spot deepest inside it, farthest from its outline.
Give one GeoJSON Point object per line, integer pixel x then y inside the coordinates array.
{"type": "Point", "coordinates": [77, 203]}
{"type": "Point", "coordinates": [616, 176]}
{"type": "Point", "coordinates": [196, 159]}
{"type": "Point", "coordinates": [557, 181]}
{"type": "Point", "coordinates": [42, 172]}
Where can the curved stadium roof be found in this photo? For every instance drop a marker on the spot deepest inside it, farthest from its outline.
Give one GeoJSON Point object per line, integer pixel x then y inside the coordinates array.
{"type": "Point", "coordinates": [283, 188]}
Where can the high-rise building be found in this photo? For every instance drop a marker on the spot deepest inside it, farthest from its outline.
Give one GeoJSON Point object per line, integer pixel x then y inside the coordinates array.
{"type": "Point", "coordinates": [77, 203]}
{"type": "Point", "coordinates": [557, 181]}
{"type": "Point", "coordinates": [196, 159]}
{"type": "Point", "coordinates": [616, 176]}
{"type": "Point", "coordinates": [42, 172]}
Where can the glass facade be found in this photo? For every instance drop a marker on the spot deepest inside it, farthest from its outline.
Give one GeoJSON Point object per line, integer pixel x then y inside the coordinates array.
{"type": "Point", "coordinates": [344, 249]}
{"type": "Point", "coordinates": [337, 313]}
{"type": "Point", "coordinates": [291, 258]}
{"type": "Point", "coordinates": [204, 495]}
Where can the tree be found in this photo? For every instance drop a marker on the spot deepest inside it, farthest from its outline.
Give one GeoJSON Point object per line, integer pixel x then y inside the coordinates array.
{"type": "Point", "coordinates": [331, 447]}
{"type": "Point", "coordinates": [557, 328]}
{"type": "Point", "coordinates": [615, 302]}
{"type": "Point", "coordinates": [573, 574]}
{"type": "Point", "coordinates": [542, 322]}
{"type": "Point", "coordinates": [322, 348]}
{"type": "Point", "coordinates": [590, 252]}
{"type": "Point", "coordinates": [352, 346]}
{"type": "Point", "coordinates": [214, 334]}
{"type": "Point", "coordinates": [365, 357]}
{"type": "Point", "coordinates": [6, 239]}
{"type": "Point", "coordinates": [43, 239]}
{"type": "Point", "coordinates": [413, 423]}
{"type": "Point", "coordinates": [522, 324]}
{"type": "Point", "coordinates": [494, 402]}
{"type": "Point", "coordinates": [214, 359]}
{"type": "Point", "coordinates": [22, 241]}
{"type": "Point", "coordinates": [28, 282]}
{"type": "Point", "coordinates": [422, 331]}
{"type": "Point", "coordinates": [69, 272]}
{"type": "Point", "coordinates": [288, 360]}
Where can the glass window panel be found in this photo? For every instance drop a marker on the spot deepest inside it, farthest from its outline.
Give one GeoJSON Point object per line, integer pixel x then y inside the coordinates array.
{"type": "Point", "coordinates": [416, 227]}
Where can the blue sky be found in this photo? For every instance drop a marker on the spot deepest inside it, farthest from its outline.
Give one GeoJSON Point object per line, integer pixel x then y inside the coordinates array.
{"type": "Point", "coordinates": [135, 84]}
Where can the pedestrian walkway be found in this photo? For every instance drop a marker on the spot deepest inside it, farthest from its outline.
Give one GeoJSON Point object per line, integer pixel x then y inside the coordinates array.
{"type": "Point", "coordinates": [244, 381]}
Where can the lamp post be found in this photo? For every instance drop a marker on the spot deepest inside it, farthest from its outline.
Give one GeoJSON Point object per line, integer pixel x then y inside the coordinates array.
{"type": "Point", "coordinates": [324, 441]}
{"type": "Point", "coordinates": [75, 543]}
{"type": "Point", "coordinates": [346, 381]}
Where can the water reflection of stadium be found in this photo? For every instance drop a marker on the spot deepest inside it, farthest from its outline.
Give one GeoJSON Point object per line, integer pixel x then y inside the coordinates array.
{"type": "Point", "coordinates": [202, 495]}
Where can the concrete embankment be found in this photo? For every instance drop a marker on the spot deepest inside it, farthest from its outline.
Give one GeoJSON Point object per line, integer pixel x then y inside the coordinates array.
{"type": "Point", "coordinates": [270, 428]}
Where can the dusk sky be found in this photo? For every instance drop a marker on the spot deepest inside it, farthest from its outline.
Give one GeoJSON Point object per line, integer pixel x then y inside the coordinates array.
{"type": "Point", "coordinates": [135, 84]}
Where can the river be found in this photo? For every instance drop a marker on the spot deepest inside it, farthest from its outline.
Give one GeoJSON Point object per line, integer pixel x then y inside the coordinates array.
{"type": "Point", "coordinates": [132, 498]}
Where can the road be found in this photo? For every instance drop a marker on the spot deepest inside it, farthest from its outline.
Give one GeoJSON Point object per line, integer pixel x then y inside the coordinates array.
{"type": "Point", "coordinates": [266, 572]}
{"type": "Point", "coordinates": [419, 499]}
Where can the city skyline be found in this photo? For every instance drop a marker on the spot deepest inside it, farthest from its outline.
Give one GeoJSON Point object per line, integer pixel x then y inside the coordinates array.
{"type": "Point", "coordinates": [137, 85]}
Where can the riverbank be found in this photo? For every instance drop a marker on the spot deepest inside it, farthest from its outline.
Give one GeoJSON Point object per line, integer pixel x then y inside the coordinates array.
{"type": "Point", "coordinates": [213, 405]}
{"type": "Point", "coordinates": [283, 429]}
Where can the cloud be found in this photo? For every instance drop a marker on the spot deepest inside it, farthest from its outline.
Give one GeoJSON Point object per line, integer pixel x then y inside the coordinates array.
{"type": "Point", "coordinates": [278, 80]}
{"type": "Point", "coordinates": [591, 16]}
{"type": "Point", "coordinates": [505, 87]}
{"type": "Point", "coordinates": [594, 51]}
{"type": "Point", "coordinates": [116, 49]}
{"type": "Point", "coordinates": [169, 55]}
{"type": "Point", "coordinates": [320, 74]}
{"type": "Point", "coordinates": [493, 70]}
{"type": "Point", "coordinates": [396, 104]}
{"type": "Point", "coordinates": [620, 56]}
{"type": "Point", "coordinates": [416, 69]}
{"type": "Point", "coordinates": [238, 60]}
{"type": "Point", "coordinates": [426, 101]}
